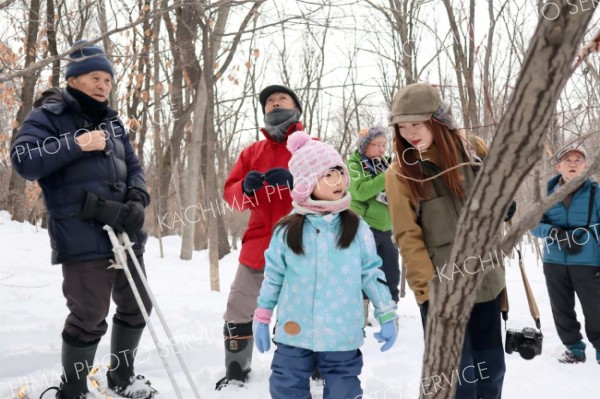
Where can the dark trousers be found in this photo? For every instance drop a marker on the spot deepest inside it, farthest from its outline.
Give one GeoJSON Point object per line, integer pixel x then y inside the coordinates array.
{"type": "Point", "coordinates": [563, 283]}
{"type": "Point", "coordinates": [388, 253]}
{"type": "Point", "coordinates": [482, 366]}
{"type": "Point", "coordinates": [292, 368]}
{"type": "Point", "coordinates": [88, 285]}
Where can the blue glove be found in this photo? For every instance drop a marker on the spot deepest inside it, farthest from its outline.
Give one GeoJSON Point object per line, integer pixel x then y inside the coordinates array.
{"type": "Point", "coordinates": [279, 177]}
{"type": "Point", "coordinates": [387, 334]}
{"type": "Point", "coordinates": [262, 338]}
{"type": "Point", "coordinates": [252, 182]}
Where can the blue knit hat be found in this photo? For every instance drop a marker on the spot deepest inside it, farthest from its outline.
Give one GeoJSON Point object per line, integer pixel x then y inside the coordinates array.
{"type": "Point", "coordinates": [87, 59]}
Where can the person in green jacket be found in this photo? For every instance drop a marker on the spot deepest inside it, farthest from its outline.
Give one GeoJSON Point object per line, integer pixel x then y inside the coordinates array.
{"type": "Point", "coordinates": [367, 168]}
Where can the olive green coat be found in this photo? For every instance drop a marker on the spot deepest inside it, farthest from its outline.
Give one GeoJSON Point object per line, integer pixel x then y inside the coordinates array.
{"type": "Point", "coordinates": [424, 231]}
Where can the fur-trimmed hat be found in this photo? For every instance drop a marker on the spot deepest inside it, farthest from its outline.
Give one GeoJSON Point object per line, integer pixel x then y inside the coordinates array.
{"type": "Point", "coordinates": [365, 136]}
{"type": "Point", "coordinates": [267, 91]}
{"type": "Point", "coordinates": [87, 59]}
{"type": "Point", "coordinates": [311, 159]}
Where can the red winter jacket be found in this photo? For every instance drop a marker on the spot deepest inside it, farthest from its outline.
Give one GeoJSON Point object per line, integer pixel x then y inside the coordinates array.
{"type": "Point", "coordinates": [269, 205]}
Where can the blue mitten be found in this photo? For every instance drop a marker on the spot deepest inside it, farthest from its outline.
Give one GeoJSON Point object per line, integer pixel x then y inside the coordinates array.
{"type": "Point", "coordinates": [387, 335]}
{"type": "Point", "coordinates": [262, 337]}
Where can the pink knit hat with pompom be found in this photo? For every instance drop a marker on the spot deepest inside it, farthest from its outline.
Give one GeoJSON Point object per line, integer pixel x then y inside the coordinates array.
{"type": "Point", "coordinates": [310, 160]}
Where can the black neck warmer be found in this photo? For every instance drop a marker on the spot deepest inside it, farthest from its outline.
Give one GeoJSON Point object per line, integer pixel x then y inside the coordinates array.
{"type": "Point", "coordinates": [93, 109]}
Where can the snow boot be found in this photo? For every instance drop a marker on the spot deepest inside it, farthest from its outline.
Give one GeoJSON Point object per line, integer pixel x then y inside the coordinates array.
{"type": "Point", "coordinates": [121, 377]}
{"type": "Point", "coordinates": [239, 343]}
{"type": "Point", "coordinates": [77, 361]}
{"type": "Point", "coordinates": [574, 354]}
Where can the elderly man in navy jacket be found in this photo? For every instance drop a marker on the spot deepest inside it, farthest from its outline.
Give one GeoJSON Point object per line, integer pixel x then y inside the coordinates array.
{"type": "Point", "coordinates": [78, 150]}
{"type": "Point", "coordinates": [570, 231]}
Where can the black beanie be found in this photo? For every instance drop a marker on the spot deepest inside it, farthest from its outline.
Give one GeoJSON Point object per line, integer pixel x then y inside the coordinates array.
{"type": "Point", "coordinates": [267, 91]}
{"type": "Point", "coordinates": [95, 60]}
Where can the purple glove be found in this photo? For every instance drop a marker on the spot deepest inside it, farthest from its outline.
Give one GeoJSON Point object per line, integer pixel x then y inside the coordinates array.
{"type": "Point", "coordinates": [387, 334]}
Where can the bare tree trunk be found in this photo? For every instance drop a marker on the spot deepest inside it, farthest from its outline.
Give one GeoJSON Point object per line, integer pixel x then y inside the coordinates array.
{"type": "Point", "coordinates": [192, 175]}
{"type": "Point", "coordinates": [464, 66]}
{"type": "Point", "coordinates": [157, 124]}
{"type": "Point", "coordinates": [546, 69]}
{"type": "Point", "coordinates": [16, 186]}
{"type": "Point", "coordinates": [51, 32]}
{"type": "Point", "coordinates": [108, 48]}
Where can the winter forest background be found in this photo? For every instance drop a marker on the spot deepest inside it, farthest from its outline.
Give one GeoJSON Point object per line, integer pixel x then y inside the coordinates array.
{"type": "Point", "coordinates": [188, 73]}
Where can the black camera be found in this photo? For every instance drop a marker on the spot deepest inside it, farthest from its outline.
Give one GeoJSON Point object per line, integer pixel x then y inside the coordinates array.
{"type": "Point", "coordinates": [528, 342]}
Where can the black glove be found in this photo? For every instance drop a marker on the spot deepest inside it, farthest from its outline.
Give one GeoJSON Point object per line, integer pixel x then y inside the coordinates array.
{"type": "Point", "coordinates": [566, 240]}
{"type": "Point", "coordinates": [560, 235]}
{"type": "Point", "coordinates": [252, 182]}
{"type": "Point", "coordinates": [577, 241]}
{"type": "Point", "coordinates": [127, 217]}
{"type": "Point", "coordinates": [132, 217]}
{"type": "Point", "coordinates": [511, 211]}
{"type": "Point", "coordinates": [139, 195]}
{"type": "Point", "coordinates": [279, 177]}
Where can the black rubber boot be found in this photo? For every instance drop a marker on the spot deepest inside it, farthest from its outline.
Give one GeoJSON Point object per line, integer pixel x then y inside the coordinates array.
{"type": "Point", "coordinates": [239, 343]}
{"type": "Point", "coordinates": [121, 376]}
{"type": "Point", "coordinates": [77, 361]}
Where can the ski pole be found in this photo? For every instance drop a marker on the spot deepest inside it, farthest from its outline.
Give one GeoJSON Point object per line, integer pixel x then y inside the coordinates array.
{"type": "Point", "coordinates": [121, 259]}
{"type": "Point", "coordinates": [129, 247]}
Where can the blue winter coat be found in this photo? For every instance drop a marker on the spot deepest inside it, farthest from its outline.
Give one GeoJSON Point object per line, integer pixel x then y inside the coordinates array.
{"type": "Point", "coordinates": [318, 294]}
{"type": "Point", "coordinates": [45, 150]}
{"type": "Point", "coordinates": [576, 215]}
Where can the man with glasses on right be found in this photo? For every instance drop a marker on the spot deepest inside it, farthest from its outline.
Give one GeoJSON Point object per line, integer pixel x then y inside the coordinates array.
{"type": "Point", "coordinates": [570, 230]}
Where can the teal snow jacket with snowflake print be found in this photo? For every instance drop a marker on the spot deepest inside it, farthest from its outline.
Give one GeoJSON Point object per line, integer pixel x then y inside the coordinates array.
{"type": "Point", "coordinates": [319, 294]}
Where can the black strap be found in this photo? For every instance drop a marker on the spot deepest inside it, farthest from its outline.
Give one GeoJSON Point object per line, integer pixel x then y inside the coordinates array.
{"type": "Point", "coordinates": [591, 206]}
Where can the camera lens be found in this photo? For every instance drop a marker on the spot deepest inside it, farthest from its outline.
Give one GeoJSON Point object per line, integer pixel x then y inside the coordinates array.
{"type": "Point", "coordinates": [527, 350]}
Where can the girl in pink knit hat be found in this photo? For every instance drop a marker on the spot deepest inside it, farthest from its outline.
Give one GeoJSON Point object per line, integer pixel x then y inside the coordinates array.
{"type": "Point", "coordinates": [320, 259]}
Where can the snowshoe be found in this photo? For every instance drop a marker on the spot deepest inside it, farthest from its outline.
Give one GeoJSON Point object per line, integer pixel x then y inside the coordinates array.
{"type": "Point", "coordinates": [139, 388]}
{"type": "Point", "coordinates": [571, 358]}
{"type": "Point", "coordinates": [58, 394]}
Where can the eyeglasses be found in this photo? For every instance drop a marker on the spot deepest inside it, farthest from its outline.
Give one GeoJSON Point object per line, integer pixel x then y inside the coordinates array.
{"type": "Point", "coordinates": [577, 161]}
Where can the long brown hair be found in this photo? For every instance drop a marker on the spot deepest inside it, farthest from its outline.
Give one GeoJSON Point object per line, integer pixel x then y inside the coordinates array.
{"type": "Point", "coordinates": [294, 223]}
{"type": "Point", "coordinates": [449, 144]}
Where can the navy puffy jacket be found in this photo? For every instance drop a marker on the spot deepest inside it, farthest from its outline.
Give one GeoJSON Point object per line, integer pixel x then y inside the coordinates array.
{"type": "Point", "coordinates": [45, 150]}
{"type": "Point", "coordinates": [576, 215]}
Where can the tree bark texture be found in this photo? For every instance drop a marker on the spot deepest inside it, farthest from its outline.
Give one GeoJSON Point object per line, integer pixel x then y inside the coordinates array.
{"type": "Point", "coordinates": [547, 66]}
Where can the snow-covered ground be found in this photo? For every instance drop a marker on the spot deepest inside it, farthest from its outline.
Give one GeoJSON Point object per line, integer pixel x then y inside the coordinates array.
{"type": "Point", "coordinates": [32, 312]}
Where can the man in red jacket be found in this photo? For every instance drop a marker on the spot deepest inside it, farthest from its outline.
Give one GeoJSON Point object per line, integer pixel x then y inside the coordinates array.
{"type": "Point", "coordinates": [259, 181]}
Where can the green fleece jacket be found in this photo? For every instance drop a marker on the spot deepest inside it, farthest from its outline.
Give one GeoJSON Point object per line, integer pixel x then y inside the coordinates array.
{"type": "Point", "coordinates": [364, 188]}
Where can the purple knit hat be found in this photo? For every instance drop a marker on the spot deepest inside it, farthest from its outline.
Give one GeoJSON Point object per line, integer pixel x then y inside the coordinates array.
{"type": "Point", "coordinates": [310, 160]}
